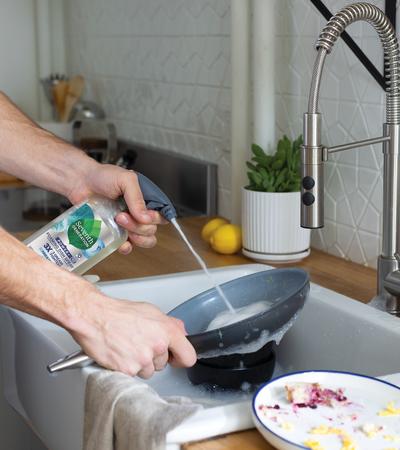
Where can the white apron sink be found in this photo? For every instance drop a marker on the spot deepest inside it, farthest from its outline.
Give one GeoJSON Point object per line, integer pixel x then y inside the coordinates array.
{"type": "Point", "coordinates": [332, 332]}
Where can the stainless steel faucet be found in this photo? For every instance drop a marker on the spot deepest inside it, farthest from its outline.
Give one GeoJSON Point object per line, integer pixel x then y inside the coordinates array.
{"type": "Point", "coordinates": [314, 154]}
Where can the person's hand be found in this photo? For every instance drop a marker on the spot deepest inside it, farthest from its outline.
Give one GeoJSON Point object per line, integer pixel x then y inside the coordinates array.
{"type": "Point", "coordinates": [131, 337]}
{"type": "Point", "coordinates": [112, 182]}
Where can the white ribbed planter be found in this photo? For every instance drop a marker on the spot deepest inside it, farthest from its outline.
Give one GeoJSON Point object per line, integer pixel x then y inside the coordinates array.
{"type": "Point", "coordinates": [271, 226]}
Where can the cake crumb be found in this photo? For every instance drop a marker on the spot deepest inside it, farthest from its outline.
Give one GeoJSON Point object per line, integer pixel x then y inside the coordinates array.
{"type": "Point", "coordinates": [287, 426]}
{"type": "Point", "coordinates": [392, 437]}
{"type": "Point", "coordinates": [371, 430]}
{"type": "Point", "coordinates": [390, 410]}
{"type": "Point", "coordinates": [313, 445]}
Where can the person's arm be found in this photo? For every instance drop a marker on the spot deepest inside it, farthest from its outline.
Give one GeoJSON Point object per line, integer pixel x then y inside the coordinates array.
{"type": "Point", "coordinates": [37, 156]}
{"type": "Point", "coordinates": [135, 338]}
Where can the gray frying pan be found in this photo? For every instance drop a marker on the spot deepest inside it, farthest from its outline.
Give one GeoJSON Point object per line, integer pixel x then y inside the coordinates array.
{"type": "Point", "coordinates": [285, 289]}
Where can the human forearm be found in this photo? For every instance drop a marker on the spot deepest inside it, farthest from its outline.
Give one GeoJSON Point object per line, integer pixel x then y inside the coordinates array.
{"type": "Point", "coordinates": [132, 337]}
{"type": "Point", "coordinates": [37, 156]}
{"type": "Point", "coordinates": [33, 285]}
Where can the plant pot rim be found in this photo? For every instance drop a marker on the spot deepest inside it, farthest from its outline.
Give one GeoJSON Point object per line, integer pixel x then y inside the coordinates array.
{"type": "Point", "coordinates": [270, 193]}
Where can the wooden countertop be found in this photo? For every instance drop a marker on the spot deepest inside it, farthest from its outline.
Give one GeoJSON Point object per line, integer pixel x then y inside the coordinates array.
{"type": "Point", "coordinates": [171, 255]}
{"type": "Point", "coordinates": [9, 181]}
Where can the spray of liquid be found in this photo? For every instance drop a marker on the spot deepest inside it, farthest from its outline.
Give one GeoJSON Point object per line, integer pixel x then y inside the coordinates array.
{"type": "Point", "coordinates": [203, 266]}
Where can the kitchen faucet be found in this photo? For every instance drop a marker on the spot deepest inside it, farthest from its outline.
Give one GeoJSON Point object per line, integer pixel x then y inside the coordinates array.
{"type": "Point", "coordinates": [314, 154]}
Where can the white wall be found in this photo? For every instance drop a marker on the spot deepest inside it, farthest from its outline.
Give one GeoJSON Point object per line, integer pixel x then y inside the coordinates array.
{"type": "Point", "coordinates": [18, 70]}
{"type": "Point", "coordinates": [161, 70]}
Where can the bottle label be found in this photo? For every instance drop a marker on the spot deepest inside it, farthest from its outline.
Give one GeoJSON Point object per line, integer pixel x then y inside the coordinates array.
{"type": "Point", "coordinates": [74, 239]}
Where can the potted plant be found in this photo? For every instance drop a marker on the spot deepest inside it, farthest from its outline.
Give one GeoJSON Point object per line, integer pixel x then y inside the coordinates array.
{"type": "Point", "coordinates": [271, 205]}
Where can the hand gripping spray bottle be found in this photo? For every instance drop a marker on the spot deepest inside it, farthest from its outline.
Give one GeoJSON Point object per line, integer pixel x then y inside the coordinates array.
{"type": "Point", "coordinates": [85, 234]}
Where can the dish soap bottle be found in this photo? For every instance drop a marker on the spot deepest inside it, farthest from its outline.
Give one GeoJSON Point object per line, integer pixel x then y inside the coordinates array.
{"type": "Point", "coordinates": [82, 236]}
{"type": "Point", "coordinates": [87, 233]}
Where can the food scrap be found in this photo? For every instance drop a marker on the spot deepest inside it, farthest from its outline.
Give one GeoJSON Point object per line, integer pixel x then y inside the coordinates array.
{"type": "Point", "coordinates": [270, 411]}
{"type": "Point", "coordinates": [392, 437]}
{"type": "Point", "coordinates": [264, 407]}
{"type": "Point", "coordinates": [325, 429]}
{"type": "Point", "coordinates": [390, 410]}
{"type": "Point", "coordinates": [347, 441]}
{"type": "Point", "coordinates": [310, 395]}
{"type": "Point", "coordinates": [313, 445]}
{"type": "Point", "coordinates": [287, 426]}
{"type": "Point", "coordinates": [371, 430]}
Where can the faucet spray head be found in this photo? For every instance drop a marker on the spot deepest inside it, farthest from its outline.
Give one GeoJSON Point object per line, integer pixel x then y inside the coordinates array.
{"type": "Point", "coordinates": [312, 173]}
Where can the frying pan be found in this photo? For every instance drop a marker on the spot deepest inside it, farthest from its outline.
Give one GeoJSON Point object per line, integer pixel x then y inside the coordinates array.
{"type": "Point", "coordinates": [285, 290]}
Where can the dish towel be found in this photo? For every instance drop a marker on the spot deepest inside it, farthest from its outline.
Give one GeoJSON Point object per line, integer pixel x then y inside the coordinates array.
{"type": "Point", "coordinates": [124, 413]}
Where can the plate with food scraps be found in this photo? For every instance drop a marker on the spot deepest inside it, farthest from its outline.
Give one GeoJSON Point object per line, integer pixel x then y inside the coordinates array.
{"type": "Point", "coordinates": [328, 410]}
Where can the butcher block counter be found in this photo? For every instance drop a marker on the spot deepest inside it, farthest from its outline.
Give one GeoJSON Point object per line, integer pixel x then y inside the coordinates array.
{"type": "Point", "coordinates": [171, 255]}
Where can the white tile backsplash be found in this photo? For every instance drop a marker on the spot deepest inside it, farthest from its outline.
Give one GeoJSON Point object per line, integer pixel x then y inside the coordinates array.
{"type": "Point", "coordinates": [161, 70]}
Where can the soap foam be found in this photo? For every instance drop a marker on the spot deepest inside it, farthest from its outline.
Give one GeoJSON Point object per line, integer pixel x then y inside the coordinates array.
{"type": "Point", "coordinates": [228, 317]}
{"type": "Point", "coordinates": [253, 346]}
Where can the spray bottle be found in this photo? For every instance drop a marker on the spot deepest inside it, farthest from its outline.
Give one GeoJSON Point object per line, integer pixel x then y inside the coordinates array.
{"type": "Point", "coordinates": [87, 233]}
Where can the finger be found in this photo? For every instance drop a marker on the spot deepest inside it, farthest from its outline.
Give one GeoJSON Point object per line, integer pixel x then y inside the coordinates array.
{"type": "Point", "coordinates": [182, 352]}
{"type": "Point", "coordinates": [134, 198]}
{"type": "Point", "coordinates": [161, 361]}
{"type": "Point", "coordinates": [125, 248]}
{"type": "Point", "coordinates": [143, 241]}
{"type": "Point", "coordinates": [129, 223]}
{"type": "Point", "coordinates": [179, 323]}
{"type": "Point", "coordinates": [157, 218]}
{"type": "Point", "coordinates": [146, 372]}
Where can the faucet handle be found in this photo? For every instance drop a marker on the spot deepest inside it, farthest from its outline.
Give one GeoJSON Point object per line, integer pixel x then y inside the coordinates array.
{"type": "Point", "coordinates": [312, 173]}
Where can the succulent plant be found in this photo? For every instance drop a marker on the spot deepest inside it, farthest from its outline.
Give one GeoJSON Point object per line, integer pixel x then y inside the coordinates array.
{"type": "Point", "coordinates": [276, 173]}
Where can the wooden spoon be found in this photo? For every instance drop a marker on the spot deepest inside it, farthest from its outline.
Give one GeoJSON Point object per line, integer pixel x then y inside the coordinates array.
{"type": "Point", "coordinates": [59, 95]}
{"type": "Point", "coordinates": [74, 92]}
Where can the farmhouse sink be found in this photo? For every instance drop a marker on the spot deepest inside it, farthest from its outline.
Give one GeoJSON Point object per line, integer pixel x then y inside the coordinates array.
{"type": "Point", "coordinates": [332, 332]}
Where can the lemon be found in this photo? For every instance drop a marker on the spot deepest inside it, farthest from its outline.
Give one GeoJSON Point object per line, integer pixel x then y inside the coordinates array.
{"type": "Point", "coordinates": [227, 239]}
{"type": "Point", "coordinates": [211, 226]}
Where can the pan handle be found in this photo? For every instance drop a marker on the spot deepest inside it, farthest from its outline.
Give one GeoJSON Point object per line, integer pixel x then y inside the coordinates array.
{"type": "Point", "coordinates": [71, 361]}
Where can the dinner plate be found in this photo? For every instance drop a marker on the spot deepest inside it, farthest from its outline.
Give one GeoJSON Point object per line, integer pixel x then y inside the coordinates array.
{"type": "Point", "coordinates": [367, 419]}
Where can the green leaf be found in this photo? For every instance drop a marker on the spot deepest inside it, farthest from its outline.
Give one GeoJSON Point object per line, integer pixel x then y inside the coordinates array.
{"type": "Point", "coordinates": [266, 184]}
{"type": "Point", "coordinates": [278, 164]}
{"type": "Point", "coordinates": [280, 178]}
{"type": "Point", "coordinates": [263, 172]}
{"type": "Point", "coordinates": [251, 166]}
{"type": "Point", "coordinates": [257, 150]}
